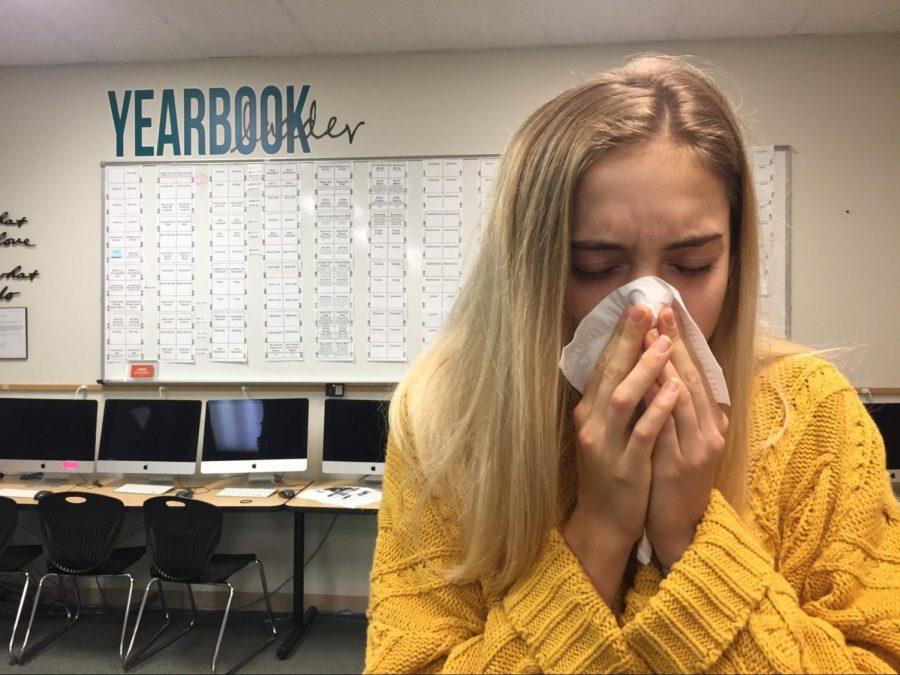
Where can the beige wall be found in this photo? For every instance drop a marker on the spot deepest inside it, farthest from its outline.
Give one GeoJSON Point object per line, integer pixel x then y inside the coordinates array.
{"type": "Point", "coordinates": [834, 99]}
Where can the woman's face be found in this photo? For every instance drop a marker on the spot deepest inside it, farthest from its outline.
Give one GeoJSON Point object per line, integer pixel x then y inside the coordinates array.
{"type": "Point", "coordinates": [650, 209]}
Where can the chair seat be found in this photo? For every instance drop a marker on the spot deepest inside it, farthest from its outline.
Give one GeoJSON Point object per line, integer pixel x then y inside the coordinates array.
{"type": "Point", "coordinates": [119, 560]}
{"type": "Point", "coordinates": [218, 569]}
{"type": "Point", "coordinates": [17, 556]}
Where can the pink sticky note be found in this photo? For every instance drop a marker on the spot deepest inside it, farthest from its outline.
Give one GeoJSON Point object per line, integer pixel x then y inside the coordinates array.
{"type": "Point", "coordinates": [70, 465]}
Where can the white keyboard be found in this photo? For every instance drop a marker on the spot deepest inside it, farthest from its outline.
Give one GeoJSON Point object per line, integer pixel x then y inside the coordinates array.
{"type": "Point", "coordinates": [143, 488]}
{"type": "Point", "coordinates": [17, 492]}
{"type": "Point", "coordinates": [245, 492]}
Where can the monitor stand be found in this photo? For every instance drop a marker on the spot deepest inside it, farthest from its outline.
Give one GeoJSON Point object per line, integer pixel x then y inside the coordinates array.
{"type": "Point", "coordinates": [261, 480]}
{"type": "Point", "coordinates": [52, 479]}
{"type": "Point", "coordinates": [159, 478]}
{"type": "Point", "coordinates": [372, 479]}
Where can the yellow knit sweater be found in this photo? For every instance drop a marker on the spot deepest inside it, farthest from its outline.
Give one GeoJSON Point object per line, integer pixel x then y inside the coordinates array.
{"type": "Point", "coordinates": [808, 581]}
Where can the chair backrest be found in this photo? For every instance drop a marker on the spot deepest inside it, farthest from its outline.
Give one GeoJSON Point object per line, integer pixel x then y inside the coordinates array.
{"type": "Point", "coordinates": [9, 514]}
{"type": "Point", "coordinates": [182, 535]}
{"type": "Point", "coordinates": [79, 529]}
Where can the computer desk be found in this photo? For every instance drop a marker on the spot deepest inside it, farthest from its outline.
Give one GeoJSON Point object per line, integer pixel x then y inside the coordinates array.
{"type": "Point", "coordinates": [204, 490]}
{"type": "Point", "coordinates": [300, 507]}
{"type": "Point", "coordinates": [203, 487]}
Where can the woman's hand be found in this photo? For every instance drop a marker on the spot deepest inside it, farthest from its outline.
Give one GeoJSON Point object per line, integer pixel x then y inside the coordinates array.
{"type": "Point", "coordinates": [614, 460]}
{"type": "Point", "coordinates": [687, 451]}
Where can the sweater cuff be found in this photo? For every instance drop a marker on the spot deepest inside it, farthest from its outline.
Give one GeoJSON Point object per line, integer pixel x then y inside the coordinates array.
{"type": "Point", "coordinates": [707, 597]}
{"type": "Point", "coordinates": [557, 611]}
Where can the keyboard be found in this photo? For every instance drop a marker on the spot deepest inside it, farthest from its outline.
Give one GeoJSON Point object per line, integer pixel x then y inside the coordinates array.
{"type": "Point", "coordinates": [17, 492]}
{"type": "Point", "coordinates": [143, 488]}
{"type": "Point", "coordinates": [259, 493]}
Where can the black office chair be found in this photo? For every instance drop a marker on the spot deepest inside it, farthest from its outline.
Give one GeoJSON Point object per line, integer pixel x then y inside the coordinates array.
{"type": "Point", "coordinates": [78, 532]}
{"type": "Point", "coordinates": [14, 557]}
{"type": "Point", "coordinates": [182, 535]}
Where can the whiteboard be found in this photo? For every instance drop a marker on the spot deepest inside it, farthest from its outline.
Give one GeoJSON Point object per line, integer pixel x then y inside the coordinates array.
{"type": "Point", "coordinates": [771, 167]}
{"type": "Point", "coordinates": [337, 342]}
{"type": "Point", "coordinates": [168, 224]}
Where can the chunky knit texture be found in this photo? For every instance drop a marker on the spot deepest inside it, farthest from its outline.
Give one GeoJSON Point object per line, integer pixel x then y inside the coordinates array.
{"type": "Point", "coordinates": [807, 581]}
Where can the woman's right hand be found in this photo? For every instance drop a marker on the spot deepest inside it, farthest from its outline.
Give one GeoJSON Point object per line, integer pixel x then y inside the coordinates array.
{"type": "Point", "coordinates": [614, 460]}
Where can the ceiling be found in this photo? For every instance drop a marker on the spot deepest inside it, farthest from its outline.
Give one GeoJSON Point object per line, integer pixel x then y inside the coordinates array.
{"type": "Point", "coordinates": [53, 32]}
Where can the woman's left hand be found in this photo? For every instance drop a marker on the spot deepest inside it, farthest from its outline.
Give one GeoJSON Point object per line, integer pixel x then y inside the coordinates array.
{"type": "Point", "coordinates": [686, 454]}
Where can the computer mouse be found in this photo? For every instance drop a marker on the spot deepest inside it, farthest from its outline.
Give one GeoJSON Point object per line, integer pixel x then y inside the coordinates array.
{"type": "Point", "coordinates": [42, 493]}
{"type": "Point", "coordinates": [287, 493]}
{"type": "Point", "coordinates": [185, 494]}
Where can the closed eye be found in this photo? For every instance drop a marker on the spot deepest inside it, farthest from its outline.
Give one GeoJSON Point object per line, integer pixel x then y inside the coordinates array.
{"type": "Point", "coordinates": [594, 275]}
{"type": "Point", "coordinates": [693, 271]}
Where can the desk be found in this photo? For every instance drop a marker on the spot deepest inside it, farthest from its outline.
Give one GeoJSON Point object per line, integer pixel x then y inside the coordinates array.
{"type": "Point", "coordinates": [300, 507]}
{"type": "Point", "coordinates": [204, 487]}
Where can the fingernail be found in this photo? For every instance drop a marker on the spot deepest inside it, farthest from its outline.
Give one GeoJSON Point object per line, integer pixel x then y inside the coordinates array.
{"type": "Point", "coordinates": [671, 386]}
{"type": "Point", "coordinates": [653, 334]}
{"type": "Point", "coordinates": [663, 344]}
{"type": "Point", "coordinates": [637, 313]}
{"type": "Point", "coordinates": [669, 318]}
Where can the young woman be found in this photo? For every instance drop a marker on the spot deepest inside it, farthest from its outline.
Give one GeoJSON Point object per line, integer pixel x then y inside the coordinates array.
{"type": "Point", "coordinates": [513, 505]}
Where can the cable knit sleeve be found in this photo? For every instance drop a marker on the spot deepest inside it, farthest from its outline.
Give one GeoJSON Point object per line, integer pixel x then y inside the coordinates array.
{"type": "Point", "coordinates": [551, 620]}
{"type": "Point", "coordinates": [823, 595]}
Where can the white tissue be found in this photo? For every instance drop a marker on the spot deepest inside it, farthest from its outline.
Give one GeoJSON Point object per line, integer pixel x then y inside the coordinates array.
{"type": "Point", "coordinates": [595, 330]}
{"type": "Point", "coordinates": [580, 356]}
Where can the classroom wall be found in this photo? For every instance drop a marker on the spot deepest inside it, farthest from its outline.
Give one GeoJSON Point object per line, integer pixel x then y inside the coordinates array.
{"type": "Point", "coordinates": [834, 99]}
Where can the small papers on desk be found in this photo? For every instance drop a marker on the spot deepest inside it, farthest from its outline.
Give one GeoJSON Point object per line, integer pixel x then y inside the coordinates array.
{"type": "Point", "coordinates": [344, 496]}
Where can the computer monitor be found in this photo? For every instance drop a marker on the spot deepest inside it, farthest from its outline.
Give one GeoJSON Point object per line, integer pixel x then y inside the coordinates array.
{"type": "Point", "coordinates": [259, 437]}
{"type": "Point", "coordinates": [154, 437]}
{"type": "Point", "coordinates": [887, 419]}
{"type": "Point", "coordinates": [48, 435]}
{"type": "Point", "coordinates": [355, 436]}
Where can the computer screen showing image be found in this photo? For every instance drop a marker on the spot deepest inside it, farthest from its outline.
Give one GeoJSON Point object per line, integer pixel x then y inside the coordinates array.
{"type": "Point", "coordinates": [255, 435]}
{"type": "Point", "coordinates": [887, 418]}
{"type": "Point", "coordinates": [355, 436]}
{"type": "Point", "coordinates": [55, 436]}
{"type": "Point", "coordinates": [149, 436]}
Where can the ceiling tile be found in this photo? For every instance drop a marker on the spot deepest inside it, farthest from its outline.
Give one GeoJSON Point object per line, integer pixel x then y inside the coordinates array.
{"type": "Point", "coordinates": [27, 39]}
{"type": "Point", "coordinates": [362, 26]}
{"type": "Point", "coordinates": [699, 19]}
{"type": "Point", "coordinates": [234, 28]}
{"type": "Point", "coordinates": [473, 24]}
{"type": "Point", "coordinates": [856, 16]}
{"type": "Point", "coordinates": [112, 30]}
{"type": "Point", "coordinates": [590, 22]}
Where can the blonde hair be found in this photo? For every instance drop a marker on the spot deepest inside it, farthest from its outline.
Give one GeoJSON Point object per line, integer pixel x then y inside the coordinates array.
{"type": "Point", "coordinates": [484, 414]}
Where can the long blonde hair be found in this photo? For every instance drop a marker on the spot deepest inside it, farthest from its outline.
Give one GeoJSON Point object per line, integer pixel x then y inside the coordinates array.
{"type": "Point", "coordinates": [484, 414]}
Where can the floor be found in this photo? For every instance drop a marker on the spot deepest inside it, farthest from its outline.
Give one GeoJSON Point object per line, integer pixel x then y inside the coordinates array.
{"type": "Point", "coordinates": [334, 644]}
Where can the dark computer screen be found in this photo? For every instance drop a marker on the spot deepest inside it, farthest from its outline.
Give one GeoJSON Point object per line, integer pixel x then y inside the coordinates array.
{"type": "Point", "coordinates": [887, 419]}
{"type": "Point", "coordinates": [46, 428]}
{"type": "Point", "coordinates": [355, 431]}
{"type": "Point", "coordinates": [274, 428]}
{"type": "Point", "coordinates": [136, 430]}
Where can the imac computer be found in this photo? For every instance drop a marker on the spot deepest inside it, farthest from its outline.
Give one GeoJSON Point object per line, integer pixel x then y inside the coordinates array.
{"type": "Point", "coordinates": [52, 436]}
{"type": "Point", "coordinates": [355, 437]}
{"type": "Point", "coordinates": [258, 437]}
{"type": "Point", "coordinates": [887, 419]}
{"type": "Point", "coordinates": [153, 437]}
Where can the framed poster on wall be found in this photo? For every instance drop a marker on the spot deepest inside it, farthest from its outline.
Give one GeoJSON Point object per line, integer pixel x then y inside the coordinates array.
{"type": "Point", "coordinates": [13, 333]}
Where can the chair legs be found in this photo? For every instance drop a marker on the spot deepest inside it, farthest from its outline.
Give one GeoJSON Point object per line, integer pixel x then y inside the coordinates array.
{"type": "Point", "coordinates": [12, 638]}
{"type": "Point", "coordinates": [272, 638]}
{"type": "Point", "coordinates": [145, 652]}
{"type": "Point", "coordinates": [71, 618]}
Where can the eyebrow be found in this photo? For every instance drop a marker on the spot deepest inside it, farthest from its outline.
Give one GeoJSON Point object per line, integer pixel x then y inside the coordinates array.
{"type": "Point", "coordinates": [603, 245]}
